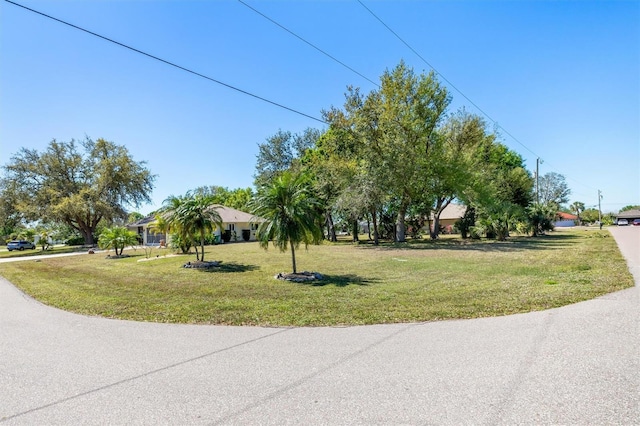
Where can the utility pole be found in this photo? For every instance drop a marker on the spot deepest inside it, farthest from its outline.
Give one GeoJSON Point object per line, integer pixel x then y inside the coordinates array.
{"type": "Point", "coordinates": [537, 181]}
{"type": "Point", "coordinates": [599, 209]}
{"type": "Point", "coordinates": [538, 161]}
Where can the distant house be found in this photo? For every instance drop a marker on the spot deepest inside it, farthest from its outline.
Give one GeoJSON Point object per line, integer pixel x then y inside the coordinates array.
{"type": "Point", "coordinates": [630, 215]}
{"type": "Point", "coordinates": [238, 223]}
{"type": "Point", "coordinates": [241, 226]}
{"type": "Point", "coordinates": [564, 220]}
{"type": "Point", "coordinates": [146, 233]}
{"type": "Point", "coordinates": [449, 216]}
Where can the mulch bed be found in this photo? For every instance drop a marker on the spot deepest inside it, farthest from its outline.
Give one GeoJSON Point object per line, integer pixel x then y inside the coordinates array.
{"type": "Point", "coordinates": [198, 264]}
{"type": "Point", "coordinates": [299, 277]}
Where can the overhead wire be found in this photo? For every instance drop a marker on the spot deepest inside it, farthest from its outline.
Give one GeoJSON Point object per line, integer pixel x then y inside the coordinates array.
{"type": "Point", "coordinates": [443, 77]}
{"type": "Point", "coordinates": [496, 124]}
{"type": "Point", "coordinates": [169, 63]}
{"type": "Point", "coordinates": [308, 43]}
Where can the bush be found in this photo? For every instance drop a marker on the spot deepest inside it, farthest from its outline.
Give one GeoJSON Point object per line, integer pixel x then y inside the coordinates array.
{"type": "Point", "coordinates": [74, 241]}
{"type": "Point", "coordinates": [464, 224]}
{"type": "Point", "coordinates": [246, 234]}
{"type": "Point", "coordinates": [540, 218]}
{"type": "Point", "coordinates": [177, 242]}
{"type": "Point", "coordinates": [226, 236]}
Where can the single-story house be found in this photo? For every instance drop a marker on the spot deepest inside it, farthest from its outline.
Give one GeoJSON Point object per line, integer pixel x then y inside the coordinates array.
{"type": "Point", "coordinates": [564, 220]}
{"type": "Point", "coordinates": [238, 223]}
{"type": "Point", "coordinates": [449, 216]}
{"type": "Point", "coordinates": [241, 226]}
{"type": "Point", "coordinates": [630, 215]}
{"type": "Point", "coordinates": [147, 235]}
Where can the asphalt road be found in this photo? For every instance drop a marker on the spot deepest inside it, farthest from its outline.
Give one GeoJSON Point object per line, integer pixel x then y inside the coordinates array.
{"type": "Point", "coordinates": [579, 365]}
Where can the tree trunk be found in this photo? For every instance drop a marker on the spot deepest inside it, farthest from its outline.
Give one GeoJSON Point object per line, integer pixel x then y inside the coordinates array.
{"type": "Point", "coordinates": [88, 238]}
{"type": "Point", "coordinates": [400, 224]}
{"type": "Point", "coordinates": [293, 257]}
{"type": "Point", "coordinates": [331, 230]}
{"type": "Point", "coordinates": [355, 230]}
{"type": "Point", "coordinates": [375, 228]}
{"type": "Point", "coordinates": [86, 233]}
{"type": "Point", "coordinates": [202, 246]}
{"type": "Point", "coordinates": [436, 227]}
{"type": "Point", "coordinates": [441, 204]}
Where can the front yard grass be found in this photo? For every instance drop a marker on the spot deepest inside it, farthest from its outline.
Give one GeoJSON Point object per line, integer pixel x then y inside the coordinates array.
{"type": "Point", "coordinates": [4, 253]}
{"type": "Point", "coordinates": [413, 282]}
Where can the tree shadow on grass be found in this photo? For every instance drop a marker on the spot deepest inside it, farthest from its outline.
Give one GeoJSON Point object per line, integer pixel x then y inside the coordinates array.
{"type": "Point", "coordinates": [230, 267]}
{"type": "Point", "coordinates": [549, 241]}
{"type": "Point", "coordinates": [340, 281]}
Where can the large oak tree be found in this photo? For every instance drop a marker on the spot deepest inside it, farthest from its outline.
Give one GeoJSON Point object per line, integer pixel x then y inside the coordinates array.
{"type": "Point", "coordinates": [76, 183]}
{"type": "Point", "coordinates": [394, 128]}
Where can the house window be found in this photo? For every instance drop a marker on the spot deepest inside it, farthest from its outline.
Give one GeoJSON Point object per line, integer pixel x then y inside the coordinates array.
{"type": "Point", "coordinates": [254, 226]}
{"type": "Point", "coordinates": [231, 227]}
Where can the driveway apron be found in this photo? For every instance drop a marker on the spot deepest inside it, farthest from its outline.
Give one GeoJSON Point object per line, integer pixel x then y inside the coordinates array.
{"type": "Point", "coordinates": [578, 364]}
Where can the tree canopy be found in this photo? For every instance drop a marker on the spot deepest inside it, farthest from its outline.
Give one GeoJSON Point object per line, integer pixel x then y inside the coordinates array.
{"type": "Point", "coordinates": [76, 183]}
{"type": "Point", "coordinates": [280, 151]}
{"type": "Point", "coordinates": [396, 155]}
{"type": "Point", "coordinates": [238, 198]}
{"type": "Point", "coordinates": [629, 207]}
{"type": "Point", "coordinates": [553, 188]}
{"type": "Point", "coordinates": [392, 134]}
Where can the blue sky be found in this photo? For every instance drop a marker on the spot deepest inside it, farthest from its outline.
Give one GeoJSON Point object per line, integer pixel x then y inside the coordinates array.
{"type": "Point", "coordinates": [562, 77]}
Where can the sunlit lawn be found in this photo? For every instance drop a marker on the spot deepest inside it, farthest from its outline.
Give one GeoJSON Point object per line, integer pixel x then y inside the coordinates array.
{"type": "Point", "coordinates": [4, 253]}
{"type": "Point", "coordinates": [418, 281]}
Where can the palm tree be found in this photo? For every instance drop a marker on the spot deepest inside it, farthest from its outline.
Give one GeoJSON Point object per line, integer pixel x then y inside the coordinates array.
{"type": "Point", "coordinates": [578, 208]}
{"type": "Point", "coordinates": [191, 217]}
{"type": "Point", "coordinates": [44, 236]}
{"type": "Point", "coordinates": [159, 225]}
{"type": "Point", "coordinates": [117, 238]}
{"type": "Point", "coordinates": [540, 218]}
{"type": "Point", "coordinates": [291, 214]}
{"type": "Point", "coordinates": [168, 217]}
{"type": "Point", "coordinates": [199, 216]}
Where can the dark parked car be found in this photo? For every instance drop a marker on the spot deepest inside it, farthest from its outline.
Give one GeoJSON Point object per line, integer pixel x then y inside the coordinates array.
{"type": "Point", "coordinates": [20, 245]}
{"type": "Point", "coordinates": [636, 222]}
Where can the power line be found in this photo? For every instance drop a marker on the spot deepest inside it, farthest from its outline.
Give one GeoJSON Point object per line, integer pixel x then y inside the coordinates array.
{"type": "Point", "coordinates": [461, 93]}
{"type": "Point", "coordinates": [169, 63]}
{"type": "Point", "coordinates": [444, 78]}
{"type": "Point", "coordinates": [308, 43]}
{"type": "Point", "coordinates": [300, 38]}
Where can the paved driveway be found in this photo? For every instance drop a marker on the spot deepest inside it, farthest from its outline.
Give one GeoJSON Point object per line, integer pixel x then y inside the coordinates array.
{"type": "Point", "coordinates": [578, 365]}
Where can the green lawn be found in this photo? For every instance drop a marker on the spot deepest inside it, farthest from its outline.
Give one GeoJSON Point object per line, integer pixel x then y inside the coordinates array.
{"type": "Point", "coordinates": [418, 281]}
{"type": "Point", "coordinates": [4, 253]}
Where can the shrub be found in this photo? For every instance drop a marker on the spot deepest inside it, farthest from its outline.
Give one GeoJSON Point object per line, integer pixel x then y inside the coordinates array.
{"type": "Point", "coordinates": [117, 238]}
{"type": "Point", "coordinates": [178, 242]}
{"type": "Point", "coordinates": [74, 241]}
